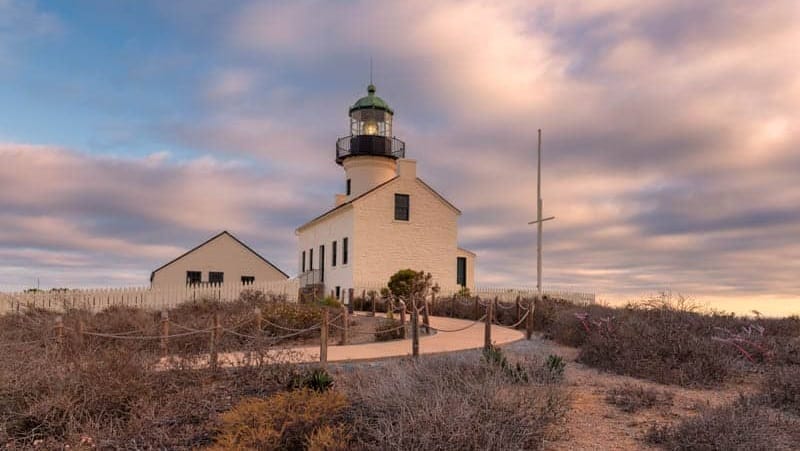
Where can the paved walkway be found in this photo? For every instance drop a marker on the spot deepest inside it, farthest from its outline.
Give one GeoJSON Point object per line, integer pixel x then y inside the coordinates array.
{"type": "Point", "coordinates": [440, 342]}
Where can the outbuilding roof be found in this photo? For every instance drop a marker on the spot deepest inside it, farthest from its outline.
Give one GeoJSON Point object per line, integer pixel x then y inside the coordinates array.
{"type": "Point", "coordinates": [224, 232]}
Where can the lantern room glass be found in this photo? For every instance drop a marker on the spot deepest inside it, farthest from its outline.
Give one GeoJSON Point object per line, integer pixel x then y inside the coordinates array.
{"type": "Point", "coordinates": [371, 122]}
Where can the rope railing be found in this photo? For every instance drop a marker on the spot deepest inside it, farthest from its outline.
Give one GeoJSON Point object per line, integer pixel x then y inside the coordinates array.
{"type": "Point", "coordinates": [269, 338]}
{"type": "Point", "coordinates": [145, 337]}
{"type": "Point", "coordinates": [479, 320]}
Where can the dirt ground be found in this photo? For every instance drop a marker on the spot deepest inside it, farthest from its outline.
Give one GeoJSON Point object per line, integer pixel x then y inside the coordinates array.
{"type": "Point", "coordinates": [593, 424]}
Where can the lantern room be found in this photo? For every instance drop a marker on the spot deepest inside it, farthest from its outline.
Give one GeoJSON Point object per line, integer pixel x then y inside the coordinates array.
{"type": "Point", "coordinates": [370, 130]}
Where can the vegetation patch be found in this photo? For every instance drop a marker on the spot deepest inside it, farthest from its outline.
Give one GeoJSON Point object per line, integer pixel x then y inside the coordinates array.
{"type": "Point", "coordinates": [743, 425]}
{"type": "Point", "coordinates": [633, 398]}
{"type": "Point", "coordinates": [286, 420]}
{"type": "Point", "coordinates": [669, 343]}
{"type": "Point", "coordinates": [451, 401]}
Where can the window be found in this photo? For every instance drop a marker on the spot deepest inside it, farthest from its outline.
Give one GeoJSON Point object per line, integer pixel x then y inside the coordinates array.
{"type": "Point", "coordinates": [216, 277]}
{"type": "Point", "coordinates": [338, 292]}
{"type": "Point", "coordinates": [401, 207]}
{"type": "Point", "coordinates": [461, 271]}
{"type": "Point", "coordinates": [311, 259]}
{"type": "Point", "coordinates": [348, 187]}
{"type": "Point", "coordinates": [322, 263]}
{"type": "Point", "coordinates": [333, 254]}
{"type": "Point", "coordinates": [303, 265]}
{"type": "Point", "coordinates": [193, 277]}
{"type": "Point", "coordinates": [344, 250]}
{"type": "Point", "coordinates": [247, 280]}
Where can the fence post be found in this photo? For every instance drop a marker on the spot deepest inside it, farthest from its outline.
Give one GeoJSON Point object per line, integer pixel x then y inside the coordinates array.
{"type": "Point", "coordinates": [59, 329]}
{"type": "Point", "coordinates": [487, 335]}
{"type": "Point", "coordinates": [257, 319]}
{"type": "Point", "coordinates": [323, 339]}
{"type": "Point", "coordinates": [373, 296]}
{"type": "Point", "coordinates": [164, 331]}
{"type": "Point", "coordinates": [529, 322]}
{"type": "Point", "coordinates": [344, 326]}
{"type": "Point", "coordinates": [350, 306]}
{"type": "Point", "coordinates": [518, 310]}
{"type": "Point", "coordinates": [414, 330]}
{"type": "Point", "coordinates": [426, 320]}
{"type": "Point", "coordinates": [477, 310]}
{"type": "Point", "coordinates": [212, 344]}
{"type": "Point", "coordinates": [402, 319]}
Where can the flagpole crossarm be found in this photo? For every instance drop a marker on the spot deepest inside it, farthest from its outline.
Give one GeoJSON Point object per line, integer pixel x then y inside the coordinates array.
{"type": "Point", "coordinates": [542, 220]}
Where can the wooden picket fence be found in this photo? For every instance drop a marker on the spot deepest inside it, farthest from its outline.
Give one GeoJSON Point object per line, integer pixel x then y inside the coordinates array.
{"type": "Point", "coordinates": [141, 297]}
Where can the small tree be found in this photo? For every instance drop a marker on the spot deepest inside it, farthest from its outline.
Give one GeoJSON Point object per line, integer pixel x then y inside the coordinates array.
{"type": "Point", "coordinates": [410, 285]}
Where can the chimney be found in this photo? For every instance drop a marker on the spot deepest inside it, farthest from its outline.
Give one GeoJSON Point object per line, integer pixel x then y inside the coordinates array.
{"type": "Point", "coordinates": [407, 169]}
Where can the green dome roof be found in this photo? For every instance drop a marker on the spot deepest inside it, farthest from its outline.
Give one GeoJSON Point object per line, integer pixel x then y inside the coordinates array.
{"type": "Point", "coordinates": [371, 101]}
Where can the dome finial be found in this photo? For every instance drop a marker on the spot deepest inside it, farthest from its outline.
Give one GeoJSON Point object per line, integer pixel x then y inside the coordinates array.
{"type": "Point", "coordinates": [371, 89]}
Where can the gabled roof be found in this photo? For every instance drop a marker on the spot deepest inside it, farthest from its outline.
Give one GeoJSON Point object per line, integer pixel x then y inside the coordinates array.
{"type": "Point", "coordinates": [365, 194]}
{"type": "Point", "coordinates": [446, 202]}
{"type": "Point", "coordinates": [224, 232]}
{"type": "Point", "coordinates": [346, 204]}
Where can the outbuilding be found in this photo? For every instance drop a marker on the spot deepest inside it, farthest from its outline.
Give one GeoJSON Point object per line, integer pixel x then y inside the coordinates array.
{"type": "Point", "coordinates": [221, 259]}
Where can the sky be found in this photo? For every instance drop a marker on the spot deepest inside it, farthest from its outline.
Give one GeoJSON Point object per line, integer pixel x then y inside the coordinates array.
{"type": "Point", "coordinates": [130, 131]}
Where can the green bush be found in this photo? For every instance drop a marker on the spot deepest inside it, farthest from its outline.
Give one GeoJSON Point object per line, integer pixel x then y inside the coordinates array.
{"type": "Point", "coordinates": [317, 379]}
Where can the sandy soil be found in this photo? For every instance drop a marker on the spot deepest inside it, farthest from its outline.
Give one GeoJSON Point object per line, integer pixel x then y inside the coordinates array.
{"type": "Point", "coordinates": [593, 424]}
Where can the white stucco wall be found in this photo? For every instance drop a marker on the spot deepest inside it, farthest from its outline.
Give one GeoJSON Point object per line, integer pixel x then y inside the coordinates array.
{"type": "Point", "coordinates": [223, 254]}
{"type": "Point", "coordinates": [367, 172]}
{"type": "Point", "coordinates": [335, 227]}
{"type": "Point", "coordinates": [382, 245]}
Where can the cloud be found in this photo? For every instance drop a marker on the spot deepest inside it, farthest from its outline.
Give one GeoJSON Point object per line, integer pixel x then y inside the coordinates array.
{"type": "Point", "coordinates": [670, 137]}
{"type": "Point", "coordinates": [21, 22]}
{"type": "Point", "coordinates": [99, 213]}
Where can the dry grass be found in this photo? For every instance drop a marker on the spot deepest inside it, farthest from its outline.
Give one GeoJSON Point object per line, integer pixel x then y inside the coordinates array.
{"type": "Point", "coordinates": [744, 425]}
{"type": "Point", "coordinates": [450, 402]}
{"type": "Point", "coordinates": [669, 343]}
{"type": "Point", "coordinates": [633, 398]}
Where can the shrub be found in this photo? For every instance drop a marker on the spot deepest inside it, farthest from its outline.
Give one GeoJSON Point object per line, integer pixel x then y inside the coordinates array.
{"type": "Point", "coordinates": [388, 329]}
{"type": "Point", "coordinates": [401, 283]}
{"type": "Point", "coordinates": [742, 425]}
{"type": "Point", "coordinates": [286, 420]}
{"type": "Point", "coordinates": [330, 301]}
{"type": "Point", "coordinates": [632, 398]}
{"type": "Point", "coordinates": [555, 366]}
{"type": "Point", "coordinates": [782, 388]}
{"type": "Point", "coordinates": [329, 438]}
{"type": "Point", "coordinates": [451, 402]}
{"type": "Point", "coordinates": [317, 379]}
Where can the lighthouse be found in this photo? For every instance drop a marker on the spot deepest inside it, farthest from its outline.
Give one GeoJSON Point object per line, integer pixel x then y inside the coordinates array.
{"type": "Point", "coordinates": [387, 218]}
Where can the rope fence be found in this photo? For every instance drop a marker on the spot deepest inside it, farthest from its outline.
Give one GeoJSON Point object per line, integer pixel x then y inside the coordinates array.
{"type": "Point", "coordinates": [483, 311]}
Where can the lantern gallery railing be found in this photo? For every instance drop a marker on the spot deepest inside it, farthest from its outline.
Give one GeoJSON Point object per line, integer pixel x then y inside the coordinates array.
{"type": "Point", "coordinates": [369, 145]}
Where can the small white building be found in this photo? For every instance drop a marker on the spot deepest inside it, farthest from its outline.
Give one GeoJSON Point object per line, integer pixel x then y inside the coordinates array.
{"type": "Point", "coordinates": [388, 219]}
{"type": "Point", "coordinates": [221, 259]}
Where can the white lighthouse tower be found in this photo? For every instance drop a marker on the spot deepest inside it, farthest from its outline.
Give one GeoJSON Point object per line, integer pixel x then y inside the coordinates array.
{"type": "Point", "coordinates": [388, 219]}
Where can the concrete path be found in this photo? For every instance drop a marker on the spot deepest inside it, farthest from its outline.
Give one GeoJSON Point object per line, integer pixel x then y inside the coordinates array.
{"type": "Point", "coordinates": [470, 338]}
